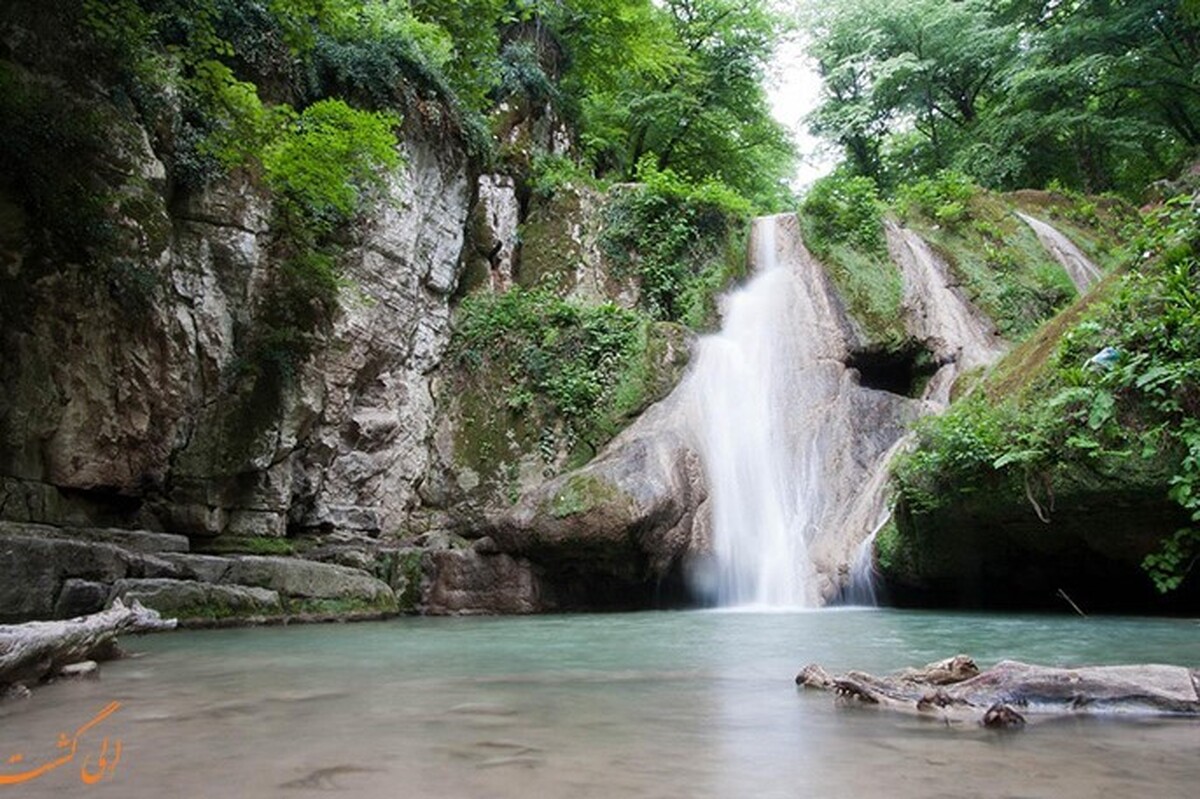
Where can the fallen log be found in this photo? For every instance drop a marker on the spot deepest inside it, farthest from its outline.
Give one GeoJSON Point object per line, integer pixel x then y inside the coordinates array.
{"type": "Point", "coordinates": [35, 650]}
{"type": "Point", "coordinates": [954, 690]}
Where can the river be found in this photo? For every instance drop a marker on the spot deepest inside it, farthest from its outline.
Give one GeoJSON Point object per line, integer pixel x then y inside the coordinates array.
{"type": "Point", "coordinates": [681, 704]}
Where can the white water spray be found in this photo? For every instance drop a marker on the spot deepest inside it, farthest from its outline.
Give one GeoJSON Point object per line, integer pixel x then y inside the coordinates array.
{"type": "Point", "coordinates": [760, 464]}
{"type": "Point", "coordinates": [795, 448]}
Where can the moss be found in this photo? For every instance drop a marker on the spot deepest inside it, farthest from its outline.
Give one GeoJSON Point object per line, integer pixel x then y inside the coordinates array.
{"type": "Point", "coordinates": [1030, 359]}
{"type": "Point", "coordinates": [580, 494]}
{"type": "Point", "coordinates": [550, 249]}
{"type": "Point", "coordinates": [338, 608]}
{"type": "Point", "coordinates": [246, 545]}
{"type": "Point", "coordinates": [872, 288]}
{"type": "Point", "coordinates": [213, 611]}
{"type": "Point", "coordinates": [488, 434]}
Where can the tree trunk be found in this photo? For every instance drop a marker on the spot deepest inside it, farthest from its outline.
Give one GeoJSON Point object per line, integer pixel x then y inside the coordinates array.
{"type": "Point", "coordinates": [37, 649]}
{"type": "Point", "coordinates": [955, 690]}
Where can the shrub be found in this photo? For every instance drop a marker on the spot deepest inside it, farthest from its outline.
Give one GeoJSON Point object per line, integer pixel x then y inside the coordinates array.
{"type": "Point", "coordinates": [328, 160]}
{"type": "Point", "coordinates": [559, 358]}
{"type": "Point", "coordinates": [843, 209]}
{"type": "Point", "coordinates": [675, 238]}
{"type": "Point", "coordinates": [944, 198]}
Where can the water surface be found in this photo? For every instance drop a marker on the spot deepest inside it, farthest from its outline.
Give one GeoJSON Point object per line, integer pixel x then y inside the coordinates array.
{"type": "Point", "coordinates": [696, 704]}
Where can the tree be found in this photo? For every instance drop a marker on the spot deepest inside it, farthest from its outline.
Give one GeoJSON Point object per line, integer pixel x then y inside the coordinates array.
{"type": "Point", "coordinates": [1097, 95]}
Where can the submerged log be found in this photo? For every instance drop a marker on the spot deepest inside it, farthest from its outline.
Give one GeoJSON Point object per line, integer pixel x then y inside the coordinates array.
{"type": "Point", "coordinates": [37, 649]}
{"type": "Point", "coordinates": [1002, 696]}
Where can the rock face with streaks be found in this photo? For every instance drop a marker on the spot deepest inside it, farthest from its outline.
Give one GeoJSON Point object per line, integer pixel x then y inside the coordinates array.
{"type": "Point", "coordinates": [140, 414]}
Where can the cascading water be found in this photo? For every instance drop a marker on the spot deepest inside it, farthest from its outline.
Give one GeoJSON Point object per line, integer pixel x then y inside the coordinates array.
{"type": "Point", "coordinates": [746, 385]}
{"type": "Point", "coordinates": [1079, 268]}
{"type": "Point", "coordinates": [795, 449]}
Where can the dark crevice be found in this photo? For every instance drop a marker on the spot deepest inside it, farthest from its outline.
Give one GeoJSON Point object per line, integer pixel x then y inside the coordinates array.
{"type": "Point", "coordinates": [902, 370]}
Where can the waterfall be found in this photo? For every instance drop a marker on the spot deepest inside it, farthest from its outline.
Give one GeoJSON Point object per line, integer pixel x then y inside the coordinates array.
{"type": "Point", "coordinates": [1082, 271]}
{"type": "Point", "coordinates": [861, 588]}
{"type": "Point", "coordinates": [751, 387]}
{"type": "Point", "coordinates": [795, 449]}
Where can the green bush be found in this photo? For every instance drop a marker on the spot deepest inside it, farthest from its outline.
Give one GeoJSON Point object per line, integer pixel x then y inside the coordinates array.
{"type": "Point", "coordinates": [676, 237]}
{"type": "Point", "coordinates": [944, 198]}
{"type": "Point", "coordinates": [843, 209]}
{"type": "Point", "coordinates": [328, 160]}
{"type": "Point", "coordinates": [560, 358]}
{"type": "Point", "coordinates": [522, 75]}
{"type": "Point", "coordinates": [548, 173]}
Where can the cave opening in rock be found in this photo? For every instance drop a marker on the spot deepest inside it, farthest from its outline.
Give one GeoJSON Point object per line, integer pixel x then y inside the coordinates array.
{"type": "Point", "coordinates": [902, 370]}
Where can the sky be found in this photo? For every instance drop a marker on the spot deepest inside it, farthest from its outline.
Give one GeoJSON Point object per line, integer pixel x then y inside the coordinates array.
{"type": "Point", "coordinates": [794, 90]}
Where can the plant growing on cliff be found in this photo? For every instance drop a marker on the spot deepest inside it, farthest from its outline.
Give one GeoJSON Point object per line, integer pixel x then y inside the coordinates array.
{"type": "Point", "coordinates": [842, 220]}
{"type": "Point", "coordinates": [843, 209]}
{"type": "Point", "coordinates": [328, 162]}
{"type": "Point", "coordinates": [944, 198]}
{"type": "Point", "coordinates": [557, 353]}
{"type": "Point", "coordinates": [675, 238]}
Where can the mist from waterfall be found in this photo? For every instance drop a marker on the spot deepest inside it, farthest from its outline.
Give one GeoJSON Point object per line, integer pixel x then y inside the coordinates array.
{"type": "Point", "coordinates": [764, 490]}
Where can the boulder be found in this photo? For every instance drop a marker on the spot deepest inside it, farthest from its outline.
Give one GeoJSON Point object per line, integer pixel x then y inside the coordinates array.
{"type": "Point", "coordinates": [34, 571]}
{"type": "Point", "coordinates": [309, 580]}
{"type": "Point", "coordinates": [622, 529]}
{"type": "Point", "coordinates": [471, 582]}
{"type": "Point", "coordinates": [79, 598]}
{"type": "Point", "coordinates": [191, 601]}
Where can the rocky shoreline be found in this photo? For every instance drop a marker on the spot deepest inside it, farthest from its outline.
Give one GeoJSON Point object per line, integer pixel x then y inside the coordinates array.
{"type": "Point", "coordinates": [58, 573]}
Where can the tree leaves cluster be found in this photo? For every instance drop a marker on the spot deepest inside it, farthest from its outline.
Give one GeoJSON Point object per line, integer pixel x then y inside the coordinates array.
{"type": "Point", "coordinates": [1099, 96]}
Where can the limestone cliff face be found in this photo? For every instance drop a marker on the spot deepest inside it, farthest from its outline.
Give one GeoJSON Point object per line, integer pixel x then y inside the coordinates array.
{"type": "Point", "coordinates": [139, 411]}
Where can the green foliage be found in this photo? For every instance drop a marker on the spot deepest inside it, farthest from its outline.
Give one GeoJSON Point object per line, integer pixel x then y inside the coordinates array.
{"type": "Point", "coordinates": [1098, 96]}
{"type": "Point", "coordinates": [873, 289]}
{"type": "Point", "coordinates": [560, 359]}
{"type": "Point", "coordinates": [330, 158]}
{"type": "Point", "coordinates": [236, 123]}
{"type": "Point", "coordinates": [996, 258]}
{"type": "Point", "coordinates": [522, 75]}
{"type": "Point", "coordinates": [675, 237]}
{"type": "Point", "coordinates": [944, 198]}
{"type": "Point", "coordinates": [843, 209]}
{"type": "Point", "coordinates": [549, 173]}
{"type": "Point", "coordinates": [473, 32]}
{"type": "Point", "coordinates": [1130, 417]}
{"type": "Point", "coordinates": [682, 81]}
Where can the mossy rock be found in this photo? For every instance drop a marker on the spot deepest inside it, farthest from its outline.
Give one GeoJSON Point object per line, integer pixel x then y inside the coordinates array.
{"type": "Point", "coordinates": [246, 545]}
{"type": "Point", "coordinates": [579, 494]}
{"type": "Point", "coordinates": [191, 601]}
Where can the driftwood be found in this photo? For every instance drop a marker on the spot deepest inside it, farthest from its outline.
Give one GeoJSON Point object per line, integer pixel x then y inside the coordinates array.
{"type": "Point", "coordinates": [955, 690]}
{"type": "Point", "coordinates": [38, 649]}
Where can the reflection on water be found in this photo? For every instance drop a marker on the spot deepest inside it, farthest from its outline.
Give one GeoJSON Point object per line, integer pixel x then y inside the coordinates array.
{"type": "Point", "coordinates": [643, 705]}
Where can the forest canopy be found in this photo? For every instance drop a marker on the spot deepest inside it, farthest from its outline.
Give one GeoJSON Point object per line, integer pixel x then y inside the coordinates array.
{"type": "Point", "coordinates": [1095, 95]}
{"type": "Point", "coordinates": [675, 84]}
